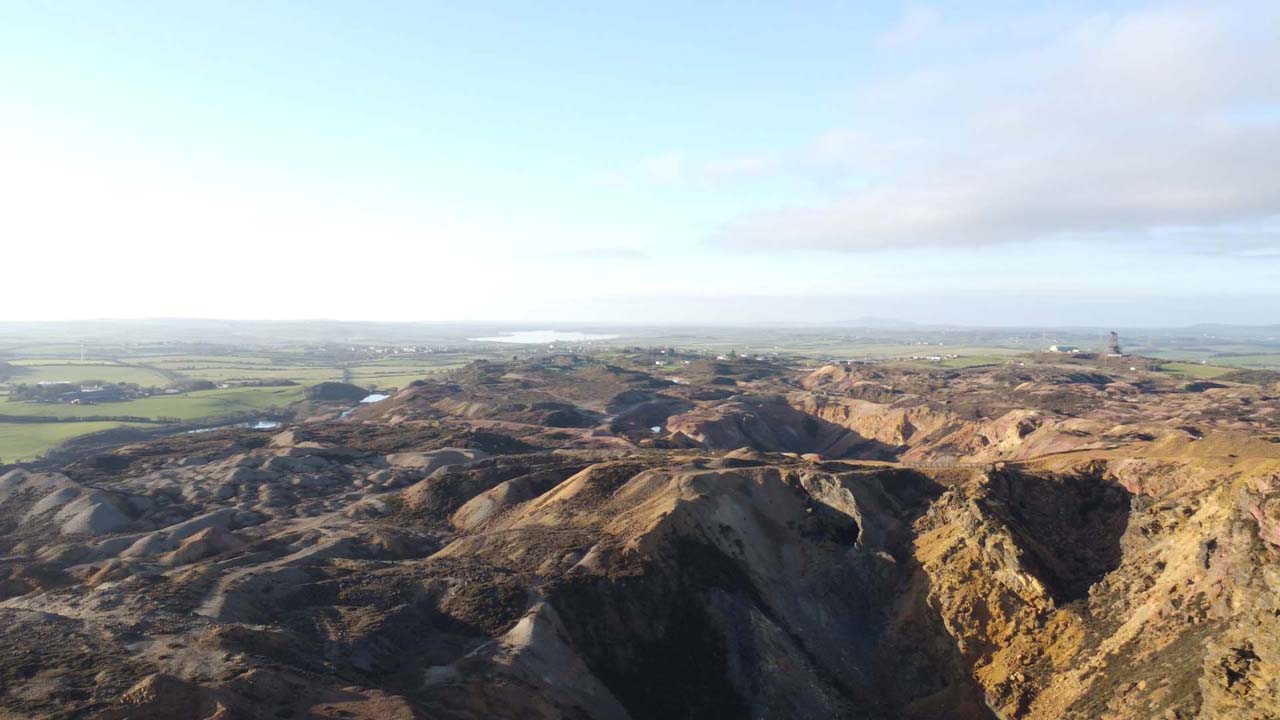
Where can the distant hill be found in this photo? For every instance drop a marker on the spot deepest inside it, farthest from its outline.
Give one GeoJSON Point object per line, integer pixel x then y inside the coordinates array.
{"type": "Point", "coordinates": [336, 392]}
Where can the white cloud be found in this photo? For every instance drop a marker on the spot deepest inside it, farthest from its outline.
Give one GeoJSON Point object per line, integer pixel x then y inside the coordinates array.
{"type": "Point", "coordinates": [611, 179]}
{"type": "Point", "coordinates": [917, 22]}
{"type": "Point", "coordinates": [86, 236]}
{"type": "Point", "coordinates": [1119, 127]}
{"type": "Point", "coordinates": [665, 168]}
{"type": "Point", "coordinates": [602, 253]}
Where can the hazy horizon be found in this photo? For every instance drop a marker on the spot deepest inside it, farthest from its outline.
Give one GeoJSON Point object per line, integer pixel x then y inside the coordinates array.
{"type": "Point", "coordinates": [775, 312]}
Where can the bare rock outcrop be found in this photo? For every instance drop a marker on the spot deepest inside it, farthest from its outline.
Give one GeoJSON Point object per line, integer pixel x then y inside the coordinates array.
{"type": "Point", "coordinates": [514, 540]}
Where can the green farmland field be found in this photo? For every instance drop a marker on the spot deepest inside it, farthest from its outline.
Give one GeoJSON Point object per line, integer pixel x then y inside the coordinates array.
{"type": "Point", "coordinates": [32, 372]}
{"type": "Point", "coordinates": [1266, 361]}
{"type": "Point", "coordinates": [304, 375]}
{"type": "Point", "coordinates": [967, 361]}
{"type": "Point", "coordinates": [20, 442]}
{"type": "Point", "coordinates": [188, 406]}
{"type": "Point", "coordinates": [207, 360]}
{"type": "Point", "coordinates": [1194, 370]}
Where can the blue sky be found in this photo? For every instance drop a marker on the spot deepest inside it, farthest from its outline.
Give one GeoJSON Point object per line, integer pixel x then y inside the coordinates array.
{"type": "Point", "coordinates": [575, 161]}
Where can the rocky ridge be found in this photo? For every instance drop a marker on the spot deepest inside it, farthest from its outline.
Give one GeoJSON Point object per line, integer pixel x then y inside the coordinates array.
{"type": "Point", "coordinates": [570, 538]}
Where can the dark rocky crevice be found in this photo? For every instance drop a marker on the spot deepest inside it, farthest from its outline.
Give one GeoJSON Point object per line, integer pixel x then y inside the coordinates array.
{"type": "Point", "coordinates": [1069, 525]}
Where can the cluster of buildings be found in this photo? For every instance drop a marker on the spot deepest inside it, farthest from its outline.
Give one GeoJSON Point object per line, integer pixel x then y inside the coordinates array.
{"type": "Point", "coordinates": [70, 394]}
{"type": "Point", "coordinates": [1113, 348]}
{"type": "Point", "coordinates": [401, 350]}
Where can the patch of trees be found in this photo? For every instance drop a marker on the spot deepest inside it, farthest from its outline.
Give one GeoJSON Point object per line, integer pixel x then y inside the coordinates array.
{"type": "Point", "coordinates": [68, 392]}
{"type": "Point", "coordinates": [47, 419]}
{"type": "Point", "coordinates": [192, 385]}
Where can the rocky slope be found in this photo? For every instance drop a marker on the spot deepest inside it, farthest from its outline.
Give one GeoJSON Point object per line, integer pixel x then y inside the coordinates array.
{"type": "Point", "coordinates": [570, 539]}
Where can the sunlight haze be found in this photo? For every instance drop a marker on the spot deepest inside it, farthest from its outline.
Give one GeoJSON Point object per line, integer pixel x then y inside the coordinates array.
{"type": "Point", "coordinates": [520, 161]}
